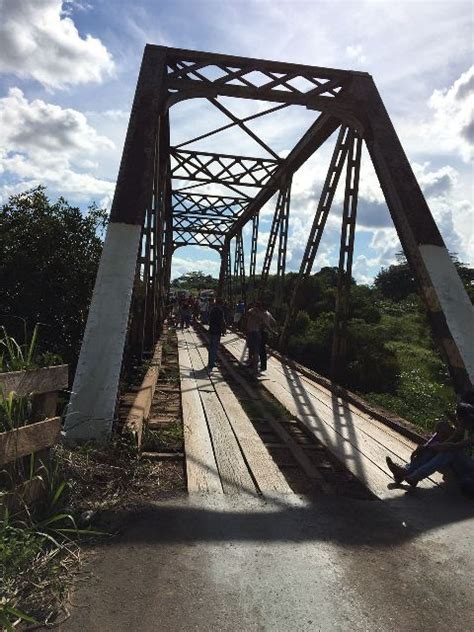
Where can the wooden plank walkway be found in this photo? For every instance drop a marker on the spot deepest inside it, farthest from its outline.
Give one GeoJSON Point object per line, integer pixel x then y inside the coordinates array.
{"type": "Point", "coordinates": [358, 440]}
{"type": "Point", "coordinates": [223, 451]}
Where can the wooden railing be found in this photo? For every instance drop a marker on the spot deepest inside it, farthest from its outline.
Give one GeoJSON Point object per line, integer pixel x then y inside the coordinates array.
{"type": "Point", "coordinates": [35, 437]}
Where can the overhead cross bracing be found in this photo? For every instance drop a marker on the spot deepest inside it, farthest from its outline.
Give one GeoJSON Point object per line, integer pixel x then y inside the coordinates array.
{"type": "Point", "coordinates": [200, 190]}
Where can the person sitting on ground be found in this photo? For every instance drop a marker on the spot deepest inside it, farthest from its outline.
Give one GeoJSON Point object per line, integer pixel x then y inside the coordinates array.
{"type": "Point", "coordinates": [217, 327]}
{"type": "Point", "coordinates": [456, 452]}
{"type": "Point", "coordinates": [423, 453]}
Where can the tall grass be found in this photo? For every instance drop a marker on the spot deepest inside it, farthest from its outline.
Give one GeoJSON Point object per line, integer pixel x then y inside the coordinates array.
{"type": "Point", "coordinates": [17, 357]}
{"type": "Point", "coordinates": [14, 410]}
{"type": "Point", "coordinates": [38, 551]}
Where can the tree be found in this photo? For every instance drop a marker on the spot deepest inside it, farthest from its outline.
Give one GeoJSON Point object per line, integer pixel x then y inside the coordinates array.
{"type": "Point", "coordinates": [397, 282]}
{"type": "Point", "coordinates": [195, 280]}
{"type": "Point", "coordinates": [49, 258]}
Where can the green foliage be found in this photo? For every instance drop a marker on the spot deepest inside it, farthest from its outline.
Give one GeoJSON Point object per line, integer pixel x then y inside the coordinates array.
{"type": "Point", "coordinates": [16, 357]}
{"type": "Point", "coordinates": [196, 280]}
{"type": "Point", "coordinates": [50, 253]}
{"type": "Point", "coordinates": [397, 282]}
{"type": "Point", "coordinates": [14, 410]}
{"type": "Point", "coordinates": [34, 551]}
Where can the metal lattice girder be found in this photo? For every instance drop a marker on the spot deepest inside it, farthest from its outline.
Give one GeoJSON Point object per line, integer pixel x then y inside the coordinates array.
{"type": "Point", "coordinates": [213, 224]}
{"type": "Point", "coordinates": [239, 265]}
{"type": "Point", "coordinates": [144, 185]}
{"type": "Point", "coordinates": [319, 223]}
{"type": "Point", "coordinates": [254, 78]}
{"type": "Point", "coordinates": [185, 237]}
{"type": "Point", "coordinates": [201, 204]}
{"type": "Point", "coordinates": [223, 169]}
{"type": "Point", "coordinates": [281, 212]}
{"type": "Point", "coordinates": [346, 252]}
{"type": "Point", "coordinates": [229, 275]}
{"type": "Point", "coordinates": [253, 249]}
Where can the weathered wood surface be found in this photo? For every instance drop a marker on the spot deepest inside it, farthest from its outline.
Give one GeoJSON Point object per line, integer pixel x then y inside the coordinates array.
{"type": "Point", "coordinates": [46, 380]}
{"type": "Point", "coordinates": [28, 439]}
{"type": "Point", "coordinates": [296, 450]}
{"type": "Point", "coordinates": [358, 440]}
{"type": "Point", "coordinates": [140, 409]}
{"type": "Point", "coordinates": [234, 473]}
{"type": "Point", "coordinates": [201, 467]}
{"type": "Point", "coordinates": [265, 471]}
{"type": "Point", "coordinates": [22, 497]}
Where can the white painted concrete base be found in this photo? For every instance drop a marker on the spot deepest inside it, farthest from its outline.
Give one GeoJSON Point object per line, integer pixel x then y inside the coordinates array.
{"type": "Point", "coordinates": [454, 301]}
{"type": "Point", "coordinates": [92, 404]}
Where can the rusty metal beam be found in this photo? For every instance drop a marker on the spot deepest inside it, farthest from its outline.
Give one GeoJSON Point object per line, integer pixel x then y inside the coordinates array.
{"type": "Point", "coordinates": [316, 136]}
{"type": "Point", "coordinates": [346, 252]}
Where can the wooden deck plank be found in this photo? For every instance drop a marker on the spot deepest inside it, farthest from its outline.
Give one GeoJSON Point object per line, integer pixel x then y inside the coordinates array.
{"type": "Point", "coordinates": [357, 442]}
{"type": "Point", "coordinates": [201, 467]}
{"type": "Point", "coordinates": [233, 470]}
{"type": "Point", "coordinates": [297, 451]}
{"type": "Point", "coordinates": [367, 435]}
{"type": "Point", "coordinates": [265, 471]}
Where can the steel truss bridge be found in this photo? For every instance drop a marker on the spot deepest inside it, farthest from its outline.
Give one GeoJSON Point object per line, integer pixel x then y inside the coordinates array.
{"type": "Point", "coordinates": [168, 196]}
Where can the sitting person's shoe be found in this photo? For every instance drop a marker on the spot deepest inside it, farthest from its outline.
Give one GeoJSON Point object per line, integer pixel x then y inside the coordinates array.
{"type": "Point", "coordinates": [397, 471]}
{"type": "Point", "coordinates": [413, 482]}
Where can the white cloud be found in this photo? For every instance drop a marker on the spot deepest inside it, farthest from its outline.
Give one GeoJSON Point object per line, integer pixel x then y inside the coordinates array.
{"type": "Point", "coordinates": [38, 40]}
{"type": "Point", "coordinates": [356, 52]}
{"type": "Point", "coordinates": [181, 265]}
{"type": "Point", "coordinates": [453, 107]}
{"type": "Point", "coordinates": [435, 183]}
{"type": "Point", "coordinates": [42, 143]}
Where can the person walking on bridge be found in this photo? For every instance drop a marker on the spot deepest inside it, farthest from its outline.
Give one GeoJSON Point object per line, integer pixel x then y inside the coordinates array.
{"type": "Point", "coordinates": [269, 325]}
{"type": "Point", "coordinates": [217, 327]}
{"type": "Point", "coordinates": [254, 321]}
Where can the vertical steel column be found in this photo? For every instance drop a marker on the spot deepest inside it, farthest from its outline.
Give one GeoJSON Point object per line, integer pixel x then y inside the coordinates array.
{"type": "Point", "coordinates": [282, 243]}
{"type": "Point", "coordinates": [274, 231]}
{"type": "Point", "coordinates": [221, 287]}
{"type": "Point", "coordinates": [253, 252]}
{"type": "Point", "coordinates": [319, 223]}
{"type": "Point", "coordinates": [229, 276]}
{"type": "Point", "coordinates": [93, 402]}
{"type": "Point", "coordinates": [164, 218]}
{"type": "Point", "coordinates": [449, 308]}
{"type": "Point", "coordinates": [344, 278]}
{"type": "Point", "coordinates": [241, 265]}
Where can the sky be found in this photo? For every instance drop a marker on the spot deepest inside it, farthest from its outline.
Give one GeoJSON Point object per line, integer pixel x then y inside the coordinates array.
{"type": "Point", "coordinates": [68, 72]}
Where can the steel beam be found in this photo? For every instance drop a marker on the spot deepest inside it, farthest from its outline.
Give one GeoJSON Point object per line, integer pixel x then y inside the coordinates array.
{"type": "Point", "coordinates": [346, 251]}
{"type": "Point", "coordinates": [449, 308]}
{"type": "Point", "coordinates": [319, 223]}
{"type": "Point", "coordinates": [92, 407]}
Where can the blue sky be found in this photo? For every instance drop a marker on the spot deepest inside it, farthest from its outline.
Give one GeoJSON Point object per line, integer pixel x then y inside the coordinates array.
{"type": "Point", "coordinates": [68, 72]}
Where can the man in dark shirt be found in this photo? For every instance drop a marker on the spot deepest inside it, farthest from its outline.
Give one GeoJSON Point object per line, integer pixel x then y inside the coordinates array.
{"type": "Point", "coordinates": [217, 325]}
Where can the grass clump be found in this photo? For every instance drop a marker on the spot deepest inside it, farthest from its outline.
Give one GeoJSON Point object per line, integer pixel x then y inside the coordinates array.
{"type": "Point", "coordinates": [39, 553]}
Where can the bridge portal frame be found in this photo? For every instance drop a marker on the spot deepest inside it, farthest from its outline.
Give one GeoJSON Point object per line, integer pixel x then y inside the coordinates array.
{"type": "Point", "coordinates": [141, 236]}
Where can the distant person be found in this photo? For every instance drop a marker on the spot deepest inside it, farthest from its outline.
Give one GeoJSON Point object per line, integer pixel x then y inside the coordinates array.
{"type": "Point", "coordinates": [457, 452]}
{"type": "Point", "coordinates": [217, 327]}
{"type": "Point", "coordinates": [254, 321]}
{"type": "Point", "coordinates": [186, 315]}
{"type": "Point", "coordinates": [239, 312]}
{"type": "Point", "coordinates": [269, 325]}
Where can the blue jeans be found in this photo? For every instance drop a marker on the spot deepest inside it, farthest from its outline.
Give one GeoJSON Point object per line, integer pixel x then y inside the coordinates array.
{"type": "Point", "coordinates": [460, 462]}
{"type": "Point", "coordinates": [214, 340]}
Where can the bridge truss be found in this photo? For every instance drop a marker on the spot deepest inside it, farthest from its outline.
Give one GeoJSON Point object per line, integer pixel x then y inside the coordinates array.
{"type": "Point", "coordinates": [173, 195]}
